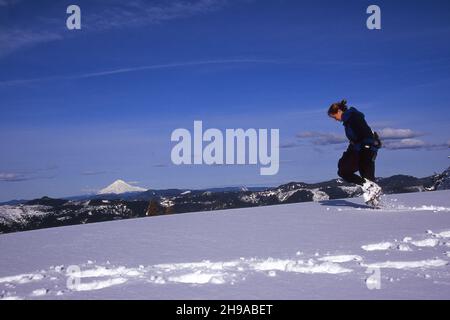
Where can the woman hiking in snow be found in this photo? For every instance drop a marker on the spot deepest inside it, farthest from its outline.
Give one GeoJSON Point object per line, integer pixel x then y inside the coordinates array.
{"type": "Point", "coordinates": [361, 152]}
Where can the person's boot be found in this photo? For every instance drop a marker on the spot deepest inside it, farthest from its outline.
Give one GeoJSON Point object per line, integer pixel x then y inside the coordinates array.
{"type": "Point", "coordinates": [372, 192]}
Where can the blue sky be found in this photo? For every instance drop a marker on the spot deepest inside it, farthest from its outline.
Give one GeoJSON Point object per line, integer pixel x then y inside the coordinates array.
{"type": "Point", "coordinates": [82, 108]}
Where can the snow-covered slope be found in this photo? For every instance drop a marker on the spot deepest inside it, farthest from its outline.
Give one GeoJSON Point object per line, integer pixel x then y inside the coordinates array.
{"type": "Point", "coordinates": [119, 187]}
{"type": "Point", "coordinates": [326, 249]}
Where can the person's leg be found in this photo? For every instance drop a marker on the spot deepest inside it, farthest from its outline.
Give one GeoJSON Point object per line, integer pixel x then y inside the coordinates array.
{"type": "Point", "coordinates": [367, 164]}
{"type": "Point", "coordinates": [372, 191]}
{"type": "Point", "coordinates": [348, 165]}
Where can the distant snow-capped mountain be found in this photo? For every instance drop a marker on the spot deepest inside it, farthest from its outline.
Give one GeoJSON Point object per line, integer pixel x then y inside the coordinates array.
{"type": "Point", "coordinates": [119, 187]}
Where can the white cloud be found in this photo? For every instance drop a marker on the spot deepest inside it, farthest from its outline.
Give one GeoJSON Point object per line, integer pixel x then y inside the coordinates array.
{"type": "Point", "coordinates": [9, 177]}
{"type": "Point", "coordinates": [406, 144]}
{"type": "Point", "coordinates": [413, 144]}
{"type": "Point", "coordinates": [393, 139]}
{"type": "Point", "coordinates": [390, 133]}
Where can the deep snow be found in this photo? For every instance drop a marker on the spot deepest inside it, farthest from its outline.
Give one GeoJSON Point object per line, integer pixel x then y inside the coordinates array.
{"type": "Point", "coordinates": [327, 249]}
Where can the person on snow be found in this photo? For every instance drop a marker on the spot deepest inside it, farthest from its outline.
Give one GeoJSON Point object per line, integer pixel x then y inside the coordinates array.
{"type": "Point", "coordinates": [361, 152]}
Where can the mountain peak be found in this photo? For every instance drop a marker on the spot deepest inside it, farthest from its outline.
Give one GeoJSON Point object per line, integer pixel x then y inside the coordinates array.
{"type": "Point", "coordinates": [119, 186]}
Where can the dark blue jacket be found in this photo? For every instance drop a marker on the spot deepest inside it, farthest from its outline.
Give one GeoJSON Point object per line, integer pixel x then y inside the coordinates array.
{"type": "Point", "coordinates": [357, 130]}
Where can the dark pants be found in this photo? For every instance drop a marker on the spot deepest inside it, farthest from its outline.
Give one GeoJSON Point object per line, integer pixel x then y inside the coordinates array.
{"type": "Point", "coordinates": [362, 161]}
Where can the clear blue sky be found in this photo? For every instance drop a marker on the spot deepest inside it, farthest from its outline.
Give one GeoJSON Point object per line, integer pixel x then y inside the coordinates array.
{"type": "Point", "coordinates": [80, 109]}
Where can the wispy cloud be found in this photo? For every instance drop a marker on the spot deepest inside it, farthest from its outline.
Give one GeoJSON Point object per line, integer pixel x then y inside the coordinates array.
{"type": "Point", "coordinates": [16, 38]}
{"type": "Point", "coordinates": [288, 145]}
{"type": "Point", "coordinates": [23, 176]}
{"type": "Point", "coordinates": [136, 69]}
{"type": "Point", "coordinates": [172, 65]}
{"type": "Point", "coordinates": [322, 138]}
{"type": "Point", "coordinates": [6, 3]}
{"type": "Point", "coordinates": [93, 173]}
{"type": "Point", "coordinates": [117, 15]}
{"type": "Point", "coordinates": [137, 13]}
{"type": "Point", "coordinates": [12, 177]}
{"type": "Point", "coordinates": [160, 165]}
{"type": "Point", "coordinates": [47, 172]}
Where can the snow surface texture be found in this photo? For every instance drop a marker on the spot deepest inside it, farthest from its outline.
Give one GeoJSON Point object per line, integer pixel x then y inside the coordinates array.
{"type": "Point", "coordinates": [332, 249]}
